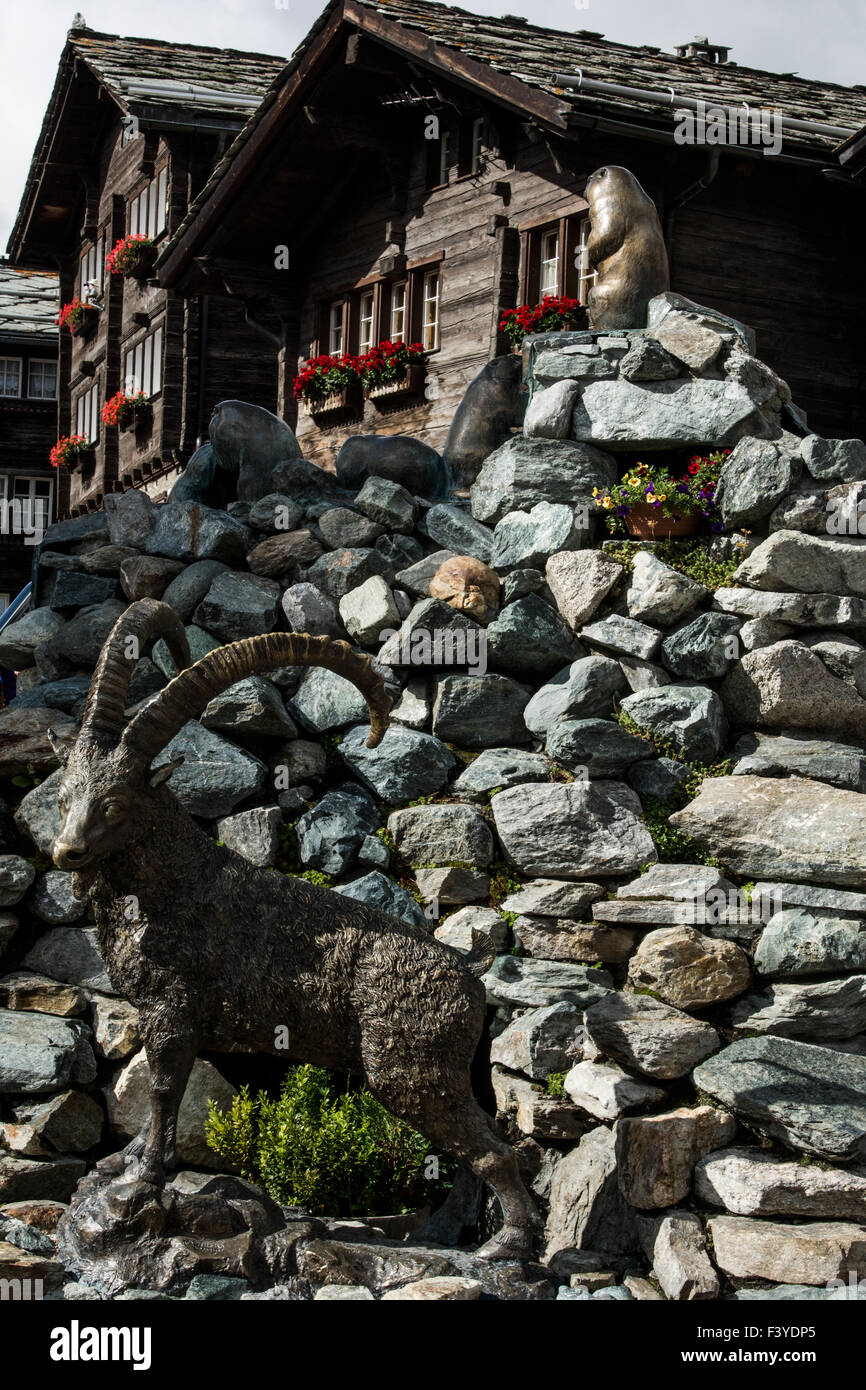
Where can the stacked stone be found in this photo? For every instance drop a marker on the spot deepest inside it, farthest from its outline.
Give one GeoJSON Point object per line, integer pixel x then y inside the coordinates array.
{"type": "Point", "coordinates": [696, 1055]}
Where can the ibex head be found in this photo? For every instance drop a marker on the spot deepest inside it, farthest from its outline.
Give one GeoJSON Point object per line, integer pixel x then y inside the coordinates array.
{"type": "Point", "coordinates": [109, 795]}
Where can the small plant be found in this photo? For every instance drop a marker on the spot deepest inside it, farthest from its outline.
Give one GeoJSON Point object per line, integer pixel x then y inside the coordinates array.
{"type": "Point", "coordinates": [388, 362]}
{"type": "Point", "coordinates": [125, 256]}
{"type": "Point", "coordinates": [556, 1085]}
{"type": "Point", "coordinates": [652, 486]}
{"type": "Point", "coordinates": [68, 450]}
{"type": "Point", "coordinates": [333, 1151]}
{"type": "Point", "coordinates": [122, 407]}
{"type": "Point", "coordinates": [554, 311]}
{"type": "Point", "coordinates": [74, 315]}
{"type": "Point", "coordinates": [331, 373]}
{"type": "Point", "coordinates": [502, 882]}
{"type": "Point", "coordinates": [689, 557]}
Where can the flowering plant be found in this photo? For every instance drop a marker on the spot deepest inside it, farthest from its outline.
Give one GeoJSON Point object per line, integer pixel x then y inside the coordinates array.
{"type": "Point", "coordinates": [121, 407]}
{"type": "Point", "coordinates": [653, 486]}
{"type": "Point", "coordinates": [124, 255]}
{"type": "Point", "coordinates": [389, 362]}
{"type": "Point", "coordinates": [72, 314]}
{"type": "Point", "coordinates": [553, 312]}
{"type": "Point", "coordinates": [68, 450]}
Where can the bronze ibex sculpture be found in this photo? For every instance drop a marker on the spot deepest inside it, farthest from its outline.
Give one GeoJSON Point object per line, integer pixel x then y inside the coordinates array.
{"type": "Point", "coordinates": [217, 951]}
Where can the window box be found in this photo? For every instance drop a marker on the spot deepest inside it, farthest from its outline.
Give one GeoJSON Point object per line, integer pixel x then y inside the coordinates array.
{"type": "Point", "coordinates": [141, 415]}
{"type": "Point", "coordinates": [410, 384]}
{"type": "Point", "coordinates": [133, 257]}
{"type": "Point", "coordinates": [81, 320]}
{"type": "Point", "coordinates": [336, 406]}
{"type": "Point", "coordinates": [70, 451]}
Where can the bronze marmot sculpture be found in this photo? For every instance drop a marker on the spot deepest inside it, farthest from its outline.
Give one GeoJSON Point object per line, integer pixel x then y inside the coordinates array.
{"type": "Point", "coordinates": [627, 248]}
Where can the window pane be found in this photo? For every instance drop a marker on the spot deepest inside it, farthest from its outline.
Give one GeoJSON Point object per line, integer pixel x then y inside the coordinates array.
{"type": "Point", "coordinates": [10, 376]}
{"type": "Point", "coordinates": [162, 200]}
{"type": "Point", "coordinates": [549, 279]}
{"type": "Point", "coordinates": [398, 312]}
{"type": "Point", "coordinates": [148, 364]}
{"type": "Point", "coordinates": [139, 365]}
{"type": "Point", "coordinates": [133, 217]}
{"type": "Point", "coordinates": [335, 335]}
{"type": "Point", "coordinates": [152, 210]}
{"type": "Point", "coordinates": [586, 275]}
{"type": "Point", "coordinates": [157, 362]}
{"type": "Point", "coordinates": [444, 156]}
{"type": "Point", "coordinates": [365, 328]}
{"type": "Point", "coordinates": [42, 380]}
{"type": "Point", "coordinates": [430, 325]}
{"type": "Point", "coordinates": [477, 143]}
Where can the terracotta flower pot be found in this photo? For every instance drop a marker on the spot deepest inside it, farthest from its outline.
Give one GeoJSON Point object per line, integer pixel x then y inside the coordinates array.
{"type": "Point", "coordinates": [647, 523]}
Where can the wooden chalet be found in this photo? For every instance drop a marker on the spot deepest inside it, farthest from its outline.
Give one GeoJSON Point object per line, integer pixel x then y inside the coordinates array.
{"type": "Point", "coordinates": [133, 129]}
{"type": "Point", "coordinates": [415, 169]}
{"type": "Point", "coordinates": [28, 418]}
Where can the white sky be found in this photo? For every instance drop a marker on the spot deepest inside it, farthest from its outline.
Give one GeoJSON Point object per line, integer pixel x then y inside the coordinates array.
{"type": "Point", "coordinates": [826, 40]}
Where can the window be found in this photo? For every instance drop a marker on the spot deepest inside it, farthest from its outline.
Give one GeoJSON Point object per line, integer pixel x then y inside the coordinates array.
{"type": "Point", "coordinates": [148, 210]}
{"type": "Point", "coordinates": [477, 147]}
{"type": "Point", "coordinates": [87, 414]}
{"type": "Point", "coordinates": [555, 260]}
{"type": "Point", "coordinates": [549, 279]}
{"type": "Point", "coordinates": [92, 271]}
{"type": "Point", "coordinates": [444, 155]}
{"type": "Point", "coordinates": [335, 326]}
{"type": "Point", "coordinates": [42, 379]}
{"type": "Point", "coordinates": [366, 320]}
{"type": "Point", "coordinates": [31, 504]}
{"type": "Point", "coordinates": [10, 376]}
{"type": "Point", "coordinates": [586, 276]}
{"type": "Point", "coordinates": [143, 365]}
{"type": "Point", "coordinates": [430, 311]}
{"type": "Point", "coordinates": [397, 329]}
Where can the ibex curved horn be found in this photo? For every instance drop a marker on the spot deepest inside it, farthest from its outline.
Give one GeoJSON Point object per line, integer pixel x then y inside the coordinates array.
{"type": "Point", "coordinates": [187, 695]}
{"type": "Point", "coordinates": [106, 700]}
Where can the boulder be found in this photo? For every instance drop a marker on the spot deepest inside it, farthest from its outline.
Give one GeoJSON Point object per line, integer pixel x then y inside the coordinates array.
{"type": "Point", "coordinates": [800, 610]}
{"type": "Point", "coordinates": [16, 876]}
{"type": "Point", "coordinates": [381, 892]}
{"type": "Point", "coordinates": [553, 897]}
{"type": "Point", "coordinates": [523, 472]}
{"type": "Point", "coordinates": [648, 1036]}
{"type": "Point", "coordinates": [326, 702]}
{"type": "Point", "coordinates": [751, 1182]}
{"type": "Point", "coordinates": [456, 530]}
{"type": "Point", "coordinates": [755, 477]}
{"type": "Point", "coordinates": [691, 716]}
{"type": "Point", "coordinates": [497, 768]}
{"type": "Point", "coordinates": [663, 414]}
{"type": "Point", "coordinates": [577, 692]}
{"type": "Point", "coordinates": [38, 815]}
{"type": "Point", "coordinates": [530, 638]}
{"type": "Point", "coordinates": [600, 746]}
{"type": "Point", "coordinates": [836, 460]}
{"type": "Point", "coordinates": [22, 989]}
{"type": "Point", "coordinates": [20, 639]}
{"type": "Point", "coordinates": [275, 512]}
{"type": "Point", "coordinates": [39, 1179]}
{"type": "Point", "coordinates": [821, 760]}
{"type": "Point", "coordinates": [368, 610]}
{"type": "Point", "coordinates": [539, 1041]}
{"type": "Point", "coordinates": [238, 605]}
{"type": "Point", "coordinates": [128, 1103]}
{"type": "Point", "coordinates": [787, 686]}
{"type": "Point", "coordinates": [705, 649]}
{"type": "Point", "coordinates": [68, 1123]}
{"type": "Point", "coordinates": [427, 835]}
{"type": "Point", "coordinates": [215, 775]}
{"type": "Point", "coordinates": [459, 885]}
{"type": "Point", "coordinates": [790, 560]}
{"type": "Point", "coordinates": [826, 1009]}
{"type": "Point", "coordinates": [813, 1253]}
{"type": "Point", "coordinates": [548, 415]}
{"type": "Point", "coordinates": [129, 517]}
{"type": "Point", "coordinates": [693, 343]}
{"type": "Point", "coordinates": [147, 576]}
{"type": "Point", "coordinates": [656, 1154]}
{"type": "Point", "coordinates": [579, 581]}
{"type": "Point", "coordinates": [622, 637]}
{"type": "Point", "coordinates": [387, 503]}
{"type": "Point", "coordinates": [798, 942]}
{"type": "Point", "coordinates": [587, 1210]}
{"type": "Point", "coordinates": [675, 1245]}
{"type": "Point", "coordinates": [520, 982]}
{"type": "Point", "coordinates": [341, 528]}
{"type": "Point", "coordinates": [252, 706]}
{"type": "Point", "coordinates": [254, 835]}
{"type": "Point", "coordinates": [71, 955]}
{"type": "Point", "coordinates": [689, 970]}
{"type": "Point", "coordinates": [24, 741]}
{"type": "Point", "coordinates": [53, 900]}
{"type": "Point", "coordinates": [605, 1091]}
{"type": "Point", "coordinates": [338, 571]}
{"type": "Point", "coordinates": [557, 938]}
{"type": "Point", "coordinates": [330, 835]}
{"type": "Point", "coordinates": [282, 555]}
{"type": "Point", "coordinates": [525, 538]}
{"type": "Point", "coordinates": [189, 531]}
{"type": "Point", "coordinates": [307, 609]}
{"type": "Point", "coordinates": [577, 830]}
{"type": "Point", "coordinates": [480, 711]}
{"type": "Point", "coordinates": [532, 1112]}
{"type": "Point", "coordinates": [406, 765]}
{"type": "Point", "coordinates": [788, 828]}
{"type": "Point", "coordinates": [115, 1028]}
{"type": "Point", "coordinates": [41, 1053]}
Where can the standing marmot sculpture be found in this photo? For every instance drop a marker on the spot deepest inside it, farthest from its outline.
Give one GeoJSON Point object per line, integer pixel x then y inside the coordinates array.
{"type": "Point", "coordinates": [627, 248]}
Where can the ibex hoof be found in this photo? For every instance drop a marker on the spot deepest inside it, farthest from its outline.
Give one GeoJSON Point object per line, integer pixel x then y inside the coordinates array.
{"type": "Point", "coordinates": [510, 1243]}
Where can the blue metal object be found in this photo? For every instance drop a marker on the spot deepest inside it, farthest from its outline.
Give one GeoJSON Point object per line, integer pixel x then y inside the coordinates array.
{"type": "Point", "coordinates": [17, 608]}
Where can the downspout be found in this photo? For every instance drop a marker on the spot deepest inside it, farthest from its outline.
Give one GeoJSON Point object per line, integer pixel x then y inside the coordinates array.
{"type": "Point", "coordinates": [203, 327]}
{"type": "Point", "coordinates": [686, 196]}
{"type": "Point", "coordinates": [275, 338]}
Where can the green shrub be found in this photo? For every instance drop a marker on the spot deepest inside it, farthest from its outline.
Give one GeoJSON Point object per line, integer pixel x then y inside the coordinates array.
{"type": "Point", "coordinates": [690, 557]}
{"type": "Point", "coordinates": [335, 1153]}
{"type": "Point", "coordinates": [556, 1085]}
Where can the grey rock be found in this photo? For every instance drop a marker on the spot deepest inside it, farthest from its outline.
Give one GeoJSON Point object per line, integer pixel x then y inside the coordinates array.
{"type": "Point", "coordinates": [663, 414]}
{"type": "Point", "coordinates": [307, 609]}
{"type": "Point", "coordinates": [374, 854]}
{"type": "Point", "coordinates": [533, 984]}
{"type": "Point", "coordinates": [459, 885]}
{"type": "Point", "coordinates": [188, 531]}
{"type": "Point", "coordinates": [388, 503]}
{"type": "Point", "coordinates": [691, 716]}
{"type": "Point", "coordinates": [676, 1246]}
{"type": "Point", "coordinates": [599, 745]}
{"type": "Point", "coordinates": [147, 576]}
{"type": "Point", "coordinates": [39, 1179]}
{"type": "Point", "coordinates": [814, 1253]}
{"type": "Point", "coordinates": [579, 581]}
{"type": "Point", "coordinates": [456, 530]}
{"type": "Point", "coordinates": [238, 605]}
{"type": "Point", "coordinates": [644, 1034]}
{"type": "Point", "coordinates": [480, 711]}
{"type": "Point", "coordinates": [255, 834]}
{"type": "Point", "coordinates": [679, 882]}
{"type": "Point", "coordinates": [647, 360]}
{"type": "Point", "coordinates": [341, 570]}
{"type": "Point", "coordinates": [578, 830]}
{"type": "Point", "coordinates": [622, 637]}
{"type": "Point", "coordinates": [529, 637]}
{"type": "Point", "coordinates": [252, 706]}
{"type": "Point", "coordinates": [693, 343]}
{"type": "Point", "coordinates": [523, 472]}
{"type": "Point", "coordinates": [657, 778]}
{"type": "Point", "coordinates": [587, 1210]}
{"type": "Point", "coordinates": [330, 835]}
{"type": "Point", "coordinates": [187, 590]}
{"type": "Point", "coordinates": [548, 415]}
{"type": "Point", "coordinates": [381, 892]}
{"type": "Point", "coordinates": [750, 1182]}
{"type": "Point", "coordinates": [838, 460]}
{"type": "Point", "coordinates": [497, 768]}
{"type": "Point", "coordinates": [442, 834]}
{"type": "Point", "coordinates": [298, 762]}
{"type": "Point", "coordinates": [407, 764]}
{"type": "Point", "coordinates": [38, 815]}
{"type": "Point", "coordinates": [762, 632]}
{"type": "Point", "coordinates": [416, 577]}
{"type": "Point", "coordinates": [579, 691]}
{"type": "Point", "coordinates": [705, 649]}
{"type": "Point", "coordinates": [69, 1123]}
{"type": "Point", "coordinates": [130, 518]}
{"type": "Point", "coordinates": [215, 775]}
{"type": "Point", "coordinates": [20, 639]}
{"type": "Point", "coordinates": [67, 694]}
{"type": "Point", "coordinates": [83, 637]}
{"type": "Point", "coordinates": [525, 538]}
{"type": "Point", "coordinates": [643, 675]}
{"type": "Point", "coordinates": [462, 929]}
{"type": "Point", "coordinates": [769, 755]}
{"type": "Point", "coordinates": [53, 900]}
{"type": "Point", "coordinates": [413, 707]}
{"type": "Point", "coordinates": [326, 702]}
{"type": "Point", "coordinates": [800, 610]}
{"type": "Point", "coordinates": [803, 510]}
{"type": "Point", "coordinates": [790, 560]}
{"type": "Point", "coordinates": [368, 610]}
{"type": "Point", "coordinates": [825, 1009]}
{"type": "Point", "coordinates": [70, 954]}
{"type": "Point", "coordinates": [275, 512]}
{"type": "Point", "coordinates": [434, 634]}
{"type": "Point", "coordinates": [41, 1053]}
{"type": "Point", "coordinates": [16, 876]}
{"type": "Point", "coordinates": [539, 1041]}
{"type": "Point", "coordinates": [787, 828]}
{"type": "Point", "coordinates": [787, 686]}
{"type": "Point", "coordinates": [518, 583]}
{"type": "Point", "coordinates": [755, 477]}
{"type": "Point", "coordinates": [553, 897]}
{"type": "Point", "coordinates": [605, 1091]}
{"type": "Point", "coordinates": [841, 655]}
{"type": "Point", "coordinates": [127, 1100]}
{"type": "Point", "coordinates": [399, 551]}
{"type": "Point", "coordinates": [342, 528]}
{"type": "Point", "coordinates": [527, 1108]}
{"type": "Point", "coordinates": [829, 901]}
{"type": "Point", "coordinates": [809, 1098]}
{"type": "Point", "coordinates": [656, 1154]}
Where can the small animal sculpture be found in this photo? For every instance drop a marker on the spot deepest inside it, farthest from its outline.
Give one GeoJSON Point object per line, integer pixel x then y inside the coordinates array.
{"type": "Point", "coordinates": [400, 458]}
{"type": "Point", "coordinates": [246, 444]}
{"type": "Point", "coordinates": [469, 586]}
{"type": "Point", "coordinates": [493, 405]}
{"type": "Point", "coordinates": [215, 952]}
{"type": "Point", "coordinates": [627, 247]}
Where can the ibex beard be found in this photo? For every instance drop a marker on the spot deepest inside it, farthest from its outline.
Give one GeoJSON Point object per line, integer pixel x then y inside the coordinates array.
{"type": "Point", "coordinates": [222, 952]}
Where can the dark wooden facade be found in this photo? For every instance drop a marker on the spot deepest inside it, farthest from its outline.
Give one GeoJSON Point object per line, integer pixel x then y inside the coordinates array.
{"type": "Point", "coordinates": [138, 153]}
{"type": "Point", "coordinates": [28, 419]}
{"type": "Point", "coordinates": [337, 167]}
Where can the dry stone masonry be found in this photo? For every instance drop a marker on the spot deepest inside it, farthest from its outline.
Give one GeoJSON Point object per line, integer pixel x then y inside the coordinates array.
{"type": "Point", "coordinates": [644, 788]}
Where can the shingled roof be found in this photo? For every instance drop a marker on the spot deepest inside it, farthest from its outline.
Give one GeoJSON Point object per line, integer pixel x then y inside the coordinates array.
{"type": "Point", "coordinates": [534, 56]}
{"type": "Point", "coordinates": [29, 302]}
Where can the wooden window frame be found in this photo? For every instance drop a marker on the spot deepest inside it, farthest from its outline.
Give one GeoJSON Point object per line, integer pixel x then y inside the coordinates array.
{"type": "Point", "coordinates": [382, 287]}
{"type": "Point", "coordinates": [568, 276]}
{"type": "Point", "coordinates": [42, 362]}
{"type": "Point", "coordinates": [155, 206]}
{"type": "Point", "coordinates": [7, 395]}
{"type": "Point", "coordinates": [150, 366]}
{"type": "Point", "coordinates": [87, 417]}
